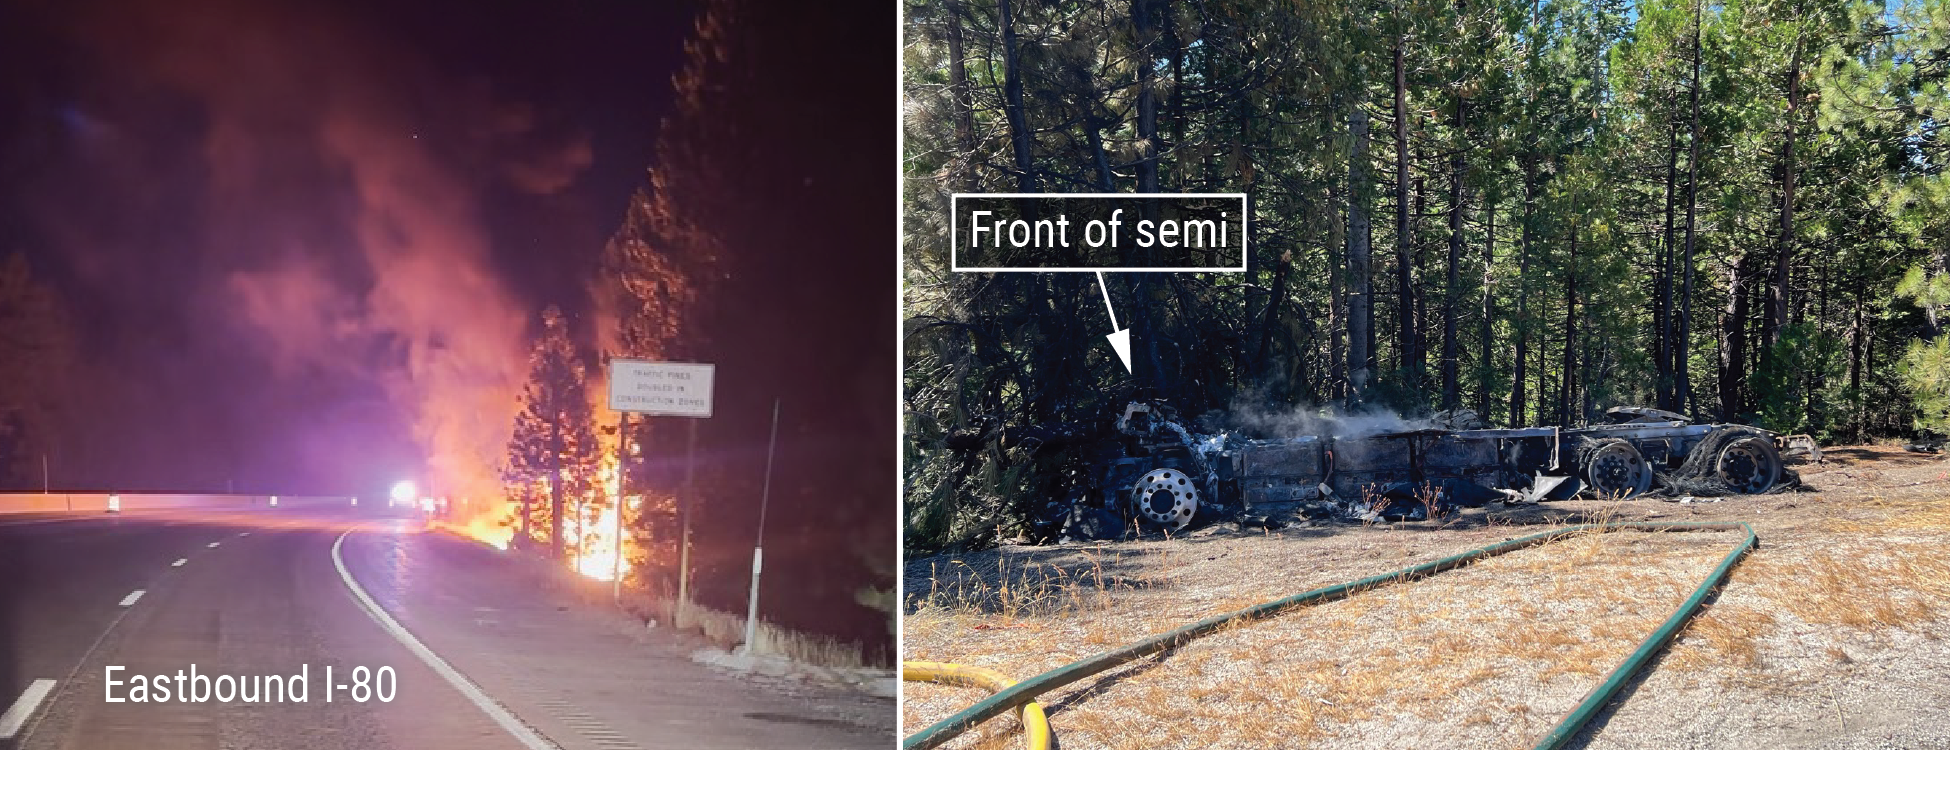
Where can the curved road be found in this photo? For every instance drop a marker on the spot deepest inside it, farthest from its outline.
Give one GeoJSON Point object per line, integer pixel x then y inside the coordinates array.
{"type": "Point", "coordinates": [257, 593]}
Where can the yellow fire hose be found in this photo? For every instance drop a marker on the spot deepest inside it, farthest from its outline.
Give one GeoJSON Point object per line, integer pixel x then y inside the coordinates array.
{"type": "Point", "coordinates": [1035, 724]}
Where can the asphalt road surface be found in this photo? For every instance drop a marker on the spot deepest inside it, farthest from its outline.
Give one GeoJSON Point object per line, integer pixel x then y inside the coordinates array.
{"type": "Point", "coordinates": [476, 656]}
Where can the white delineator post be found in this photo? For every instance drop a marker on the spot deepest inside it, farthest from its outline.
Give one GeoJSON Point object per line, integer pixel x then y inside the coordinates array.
{"type": "Point", "coordinates": [758, 547]}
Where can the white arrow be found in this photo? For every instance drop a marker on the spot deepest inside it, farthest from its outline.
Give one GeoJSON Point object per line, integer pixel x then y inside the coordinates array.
{"type": "Point", "coordinates": [1121, 340]}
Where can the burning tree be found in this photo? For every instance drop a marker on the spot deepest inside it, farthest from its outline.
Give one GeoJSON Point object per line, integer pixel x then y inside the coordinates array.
{"type": "Point", "coordinates": [741, 250]}
{"type": "Point", "coordinates": [648, 284]}
{"type": "Point", "coordinates": [554, 449]}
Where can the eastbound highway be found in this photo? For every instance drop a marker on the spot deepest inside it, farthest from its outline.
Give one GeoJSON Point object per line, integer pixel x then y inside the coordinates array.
{"type": "Point", "coordinates": [502, 662]}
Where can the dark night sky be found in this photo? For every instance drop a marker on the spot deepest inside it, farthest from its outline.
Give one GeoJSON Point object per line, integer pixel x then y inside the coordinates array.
{"type": "Point", "coordinates": [267, 215]}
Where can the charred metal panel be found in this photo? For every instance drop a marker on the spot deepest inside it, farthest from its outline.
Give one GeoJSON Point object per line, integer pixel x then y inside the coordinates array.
{"type": "Point", "coordinates": [1373, 462]}
{"type": "Point", "coordinates": [1118, 477]}
{"type": "Point", "coordinates": [1299, 457]}
{"type": "Point", "coordinates": [1453, 457]}
{"type": "Point", "coordinates": [1274, 472]}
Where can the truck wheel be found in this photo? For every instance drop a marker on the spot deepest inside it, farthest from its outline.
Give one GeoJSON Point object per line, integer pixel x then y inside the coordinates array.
{"type": "Point", "coordinates": [1748, 464]}
{"type": "Point", "coordinates": [1165, 497]}
{"type": "Point", "coordinates": [1617, 470]}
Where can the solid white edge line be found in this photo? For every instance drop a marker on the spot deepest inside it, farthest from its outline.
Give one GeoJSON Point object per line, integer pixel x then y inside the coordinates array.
{"type": "Point", "coordinates": [29, 701]}
{"type": "Point", "coordinates": [515, 727]}
{"type": "Point", "coordinates": [133, 597]}
{"type": "Point", "coordinates": [178, 563]}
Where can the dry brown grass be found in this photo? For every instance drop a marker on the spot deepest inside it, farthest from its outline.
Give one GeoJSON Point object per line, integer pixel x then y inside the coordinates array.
{"type": "Point", "coordinates": [727, 630]}
{"type": "Point", "coordinates": [1301, 679]}
{"type": "Point", "coordinates": [1865, 566]}
{"type": "Point", "coordinates": [1487, 656]}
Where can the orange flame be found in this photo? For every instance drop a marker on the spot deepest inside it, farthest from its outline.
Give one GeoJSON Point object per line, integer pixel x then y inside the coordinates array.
{"type": "Point", "coordinates": [595, 549]}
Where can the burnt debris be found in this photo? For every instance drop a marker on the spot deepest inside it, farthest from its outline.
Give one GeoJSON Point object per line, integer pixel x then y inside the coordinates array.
{"type": "Point", "coordinates": [1151, 468]}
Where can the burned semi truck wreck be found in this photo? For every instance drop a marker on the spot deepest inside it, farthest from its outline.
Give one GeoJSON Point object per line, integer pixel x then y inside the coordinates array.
{"type": "Point", "coordinates": [1154, 471]}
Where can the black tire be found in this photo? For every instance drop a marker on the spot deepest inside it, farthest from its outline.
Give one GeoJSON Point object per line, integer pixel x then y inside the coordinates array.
{"type": "Point", "coordinates": [1747, 463]}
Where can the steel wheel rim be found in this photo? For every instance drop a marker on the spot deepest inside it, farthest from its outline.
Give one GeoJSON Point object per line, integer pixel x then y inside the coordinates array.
{"type": "Point", "coordinates": [1745, 467]}
{"type": "Point", "coordinates": [1616, 470]}
{"type": "Point", "coordinates": [1165, 497]}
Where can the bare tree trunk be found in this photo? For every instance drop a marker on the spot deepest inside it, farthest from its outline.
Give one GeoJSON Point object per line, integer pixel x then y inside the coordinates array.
{"type": "Point", "coordinates": [1932, 322]}
{"type": "Point", "coordinates": [1520, 318]}
{"type": "Point", "coordinates": [964, 97]}
{"type": "Point", "coordinates": [1147, 170]}
{"type": "Point", "coordinates": [1777, 293]}
{"type": "Point", "coordinates": [1019, 132]}
{"type": "Point", "coordinates": [1336, 306]}
{"type": "Point", "coordinates": [1484, 328]}
{"type": "Point", "coordinates": [1418, 302]}
{"type": "Point", "coordinates": [1451, 387]}
{"type": "Point", "coordinates": [1567, 387]}
{"type": "Point", "coordinates": [1855, 343]}
{"type": "Point", "coordinates": [1544, 395]}
{"type": "Point", "coordinates": [1411, 353]}
{"type": "Point", "coordinates": [1147, 99]}
{"type": "Point", "coordinates": [1262, 359]}
{"type": "Point", "coordinates": [1683, 335]}
{"type": "Point", "coordinates": [1518, 322]}
{"type": "Point", "coordinates": [1177, 107]}
{"type": "Point", "coordinates": [1093, 132]}
{"type": "Point", "coordinates": [1733, 332]}
{"type": "Point", "coordinates": [1662, 312]}
{"type": "Point", "coordinates": [1360, 303]}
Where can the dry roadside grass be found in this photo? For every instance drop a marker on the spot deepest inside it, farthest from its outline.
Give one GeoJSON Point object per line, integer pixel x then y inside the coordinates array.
{"type": "Point", "coordinates": [1488, 656]}
{"type": "Point", "coordinates": [1835, 635]}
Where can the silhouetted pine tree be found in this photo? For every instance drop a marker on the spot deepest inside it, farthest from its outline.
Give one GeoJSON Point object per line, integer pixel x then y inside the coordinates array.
{"type": "Point", "coordinates": [37, 358]}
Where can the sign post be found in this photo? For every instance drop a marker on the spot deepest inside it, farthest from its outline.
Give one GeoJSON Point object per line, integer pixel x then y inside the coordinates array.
{"type": "Point", "coordinates": [616, 546]}
{"type": "Point", "coordinates": [758, 548]}
{"type": "Point", "coordinates": [684, 550]}
{"type": "Point", "coordinates": [658, 388]}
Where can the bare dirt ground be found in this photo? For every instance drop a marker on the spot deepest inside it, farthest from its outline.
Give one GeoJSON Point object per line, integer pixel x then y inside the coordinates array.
{"type": "Point", "coordinates": [1835, 633]}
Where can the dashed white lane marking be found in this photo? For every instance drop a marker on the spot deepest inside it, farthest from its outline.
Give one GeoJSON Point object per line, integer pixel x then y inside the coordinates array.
{"type": "Point", "coordinates": [30, 700]}
{"type": "Point", "coordinates": [214, 544]}
{"type": "Point", "coordinates": [522, 732]}
{"type": "Point", "coordinates": [133, 597]}
{"type": "Point", "coordinates": [178, 563]}
{"type": "Point", "coordinates": [244, 534]}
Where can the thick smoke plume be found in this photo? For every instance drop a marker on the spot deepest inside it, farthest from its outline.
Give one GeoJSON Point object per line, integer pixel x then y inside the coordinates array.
{"type": "Point", "coordinates": [341, 187]}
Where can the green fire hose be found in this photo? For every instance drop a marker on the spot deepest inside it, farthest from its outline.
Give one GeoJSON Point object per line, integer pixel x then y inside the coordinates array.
{"type": "Point", "coordinates": [1013, 697]}
{"type": "Point", "coordinates": [1035, 725]}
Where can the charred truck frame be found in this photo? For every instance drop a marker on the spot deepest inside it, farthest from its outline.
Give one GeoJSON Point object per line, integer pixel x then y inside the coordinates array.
{"type": "Point", "coordinates": [1164, 475]}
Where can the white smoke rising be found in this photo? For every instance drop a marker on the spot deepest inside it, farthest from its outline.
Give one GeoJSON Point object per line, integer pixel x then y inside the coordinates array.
{"type": "Point", "coordinates": [1261, 418]}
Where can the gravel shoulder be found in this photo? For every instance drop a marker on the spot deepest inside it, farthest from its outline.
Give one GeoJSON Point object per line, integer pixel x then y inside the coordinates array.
{"type": "Point", "coordinates": [1832, 635]}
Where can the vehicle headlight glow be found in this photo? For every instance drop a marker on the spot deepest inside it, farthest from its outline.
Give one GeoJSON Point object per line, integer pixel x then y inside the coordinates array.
{"type": "Point", "coordinates": [405, 493]}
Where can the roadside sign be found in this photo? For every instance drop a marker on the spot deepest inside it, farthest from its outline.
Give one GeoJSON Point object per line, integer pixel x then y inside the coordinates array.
{"type": "Point", "coordinates": [661, 388]}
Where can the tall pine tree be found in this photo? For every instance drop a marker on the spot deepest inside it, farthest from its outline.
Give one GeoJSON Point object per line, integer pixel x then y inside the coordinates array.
{"type": "Point", "coordinates": [551, 470]}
